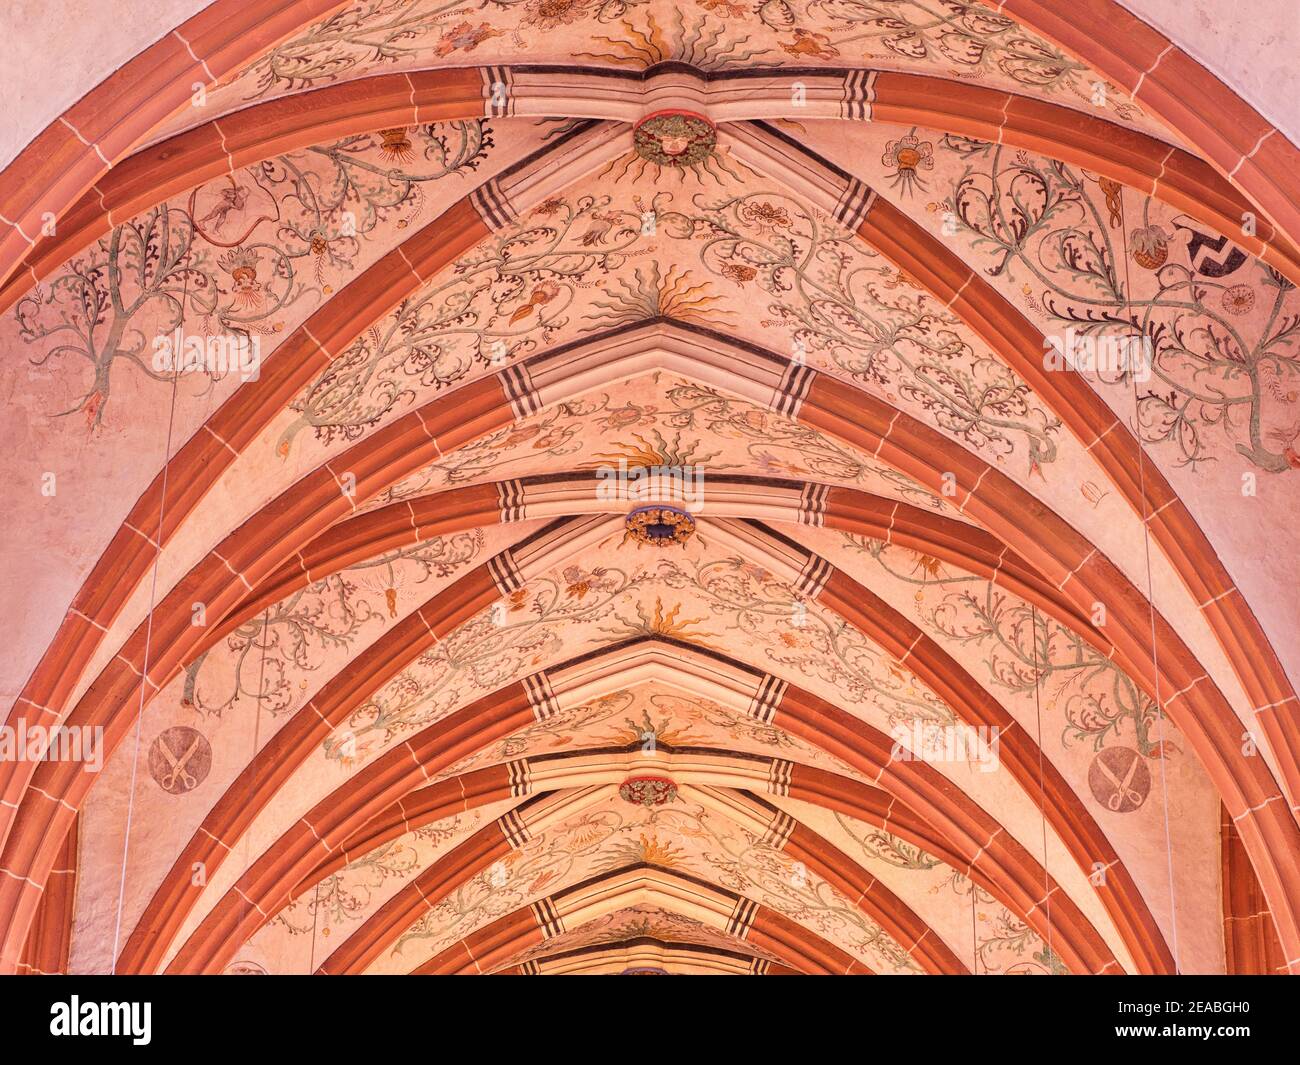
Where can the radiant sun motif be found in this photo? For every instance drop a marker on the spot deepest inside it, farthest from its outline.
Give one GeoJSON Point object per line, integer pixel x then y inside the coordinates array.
{"type": "Point", "coordinates": [660, 526]}
{"type": "Point", "coordinates": [675, 138]}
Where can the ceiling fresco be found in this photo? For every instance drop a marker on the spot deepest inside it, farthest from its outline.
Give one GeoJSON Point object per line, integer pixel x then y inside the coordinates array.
{"type": "Point", "coordinates": [948, 39]}
{"type": "Point", "coordinates": [600, 486]}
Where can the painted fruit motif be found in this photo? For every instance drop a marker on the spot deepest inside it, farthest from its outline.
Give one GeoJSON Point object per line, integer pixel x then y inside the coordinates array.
{"type": "Point", "coordinates": [1150, 247]}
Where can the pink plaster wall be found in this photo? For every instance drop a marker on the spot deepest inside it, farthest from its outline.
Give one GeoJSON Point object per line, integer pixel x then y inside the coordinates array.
{"type": "Point", "coordinates": [53, 52]}
{"type": "Point", "coordinates": [1250, 44]}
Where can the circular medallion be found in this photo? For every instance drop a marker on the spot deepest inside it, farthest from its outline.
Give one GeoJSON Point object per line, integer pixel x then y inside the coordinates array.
{"type": "Point", "coordinates": [647, 791]}
{"type": "Point", "coordinates": [660, 526]}
{"type": "Point", "coordinates": [1120, 779]}
{"type": "Point", "coordinates": [675, 138]}
{"type": "Point", "coordinates": [245, 968]}
{"type": "Point", "coordinates": [179, 759]}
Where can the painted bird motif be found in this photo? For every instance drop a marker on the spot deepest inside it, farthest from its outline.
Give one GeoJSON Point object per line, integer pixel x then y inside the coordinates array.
{"type": "Point", "coordinates": [599, 229]}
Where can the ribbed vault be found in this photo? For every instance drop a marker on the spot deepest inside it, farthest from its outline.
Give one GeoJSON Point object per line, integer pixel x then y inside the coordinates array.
{"type": "Point", "coordinates": [598, 489]}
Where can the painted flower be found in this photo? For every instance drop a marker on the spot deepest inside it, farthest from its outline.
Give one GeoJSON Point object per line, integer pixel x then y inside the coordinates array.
{"type": "Point", "coordinates": [464, 37]}
{"type": "Point", "coordinates": [550, 14]}
{"type": "Point", "coordinates": [242, 265]}
{"type": "Point", "coordinates": [580, 583]}
{"type": "Point", "coordinates": [622, 416]}
{"type": "Point", "coordinates": [1238, 299]}
{"type": "Point", "coordinates": [809, 43]}
{"type": "Point", "coordinates": [738, 273]}
{"type": "Point", "coordinates": [552, 438]}
{"type": "Point", "coordinates": [769, 463]}
{"type": "Point", "coordinates": [543, 292]}
{"type": "Point", "coordinates": [543, 878]}
{"type": "Point", "coordinates": [395, 145]}
{"type": "Point", "coordinates": [548, 207]}
{"type": "Point", "coordinates": [898, 279]}
{"type": "Point", "coordinates": [906, 156]}
{"type": "Point", "coordinates": [520, 434]}
{"type": "Point", "coordinates": [766, 216]}
{"type": "Point", "coordinates": [1287, 437]}
{"type": "Point", "coordinates": [928, 565]}
{"type": "Point", "coordinates": [723, 8]}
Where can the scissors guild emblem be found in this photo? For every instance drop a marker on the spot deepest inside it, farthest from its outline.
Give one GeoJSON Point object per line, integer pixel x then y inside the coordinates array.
{"type": "Point", "coordinates": [1120, 779]}
{"type": "Point", "coordinates": [179, 759]}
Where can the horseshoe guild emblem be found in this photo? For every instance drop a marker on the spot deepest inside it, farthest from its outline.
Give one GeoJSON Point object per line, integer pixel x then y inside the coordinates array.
{"type": "Point", "coordinates": [179, 759]}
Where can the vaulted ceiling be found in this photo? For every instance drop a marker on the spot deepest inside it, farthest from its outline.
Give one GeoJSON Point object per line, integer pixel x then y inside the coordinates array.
{"type": "Point", "coordinates": [598, 486]}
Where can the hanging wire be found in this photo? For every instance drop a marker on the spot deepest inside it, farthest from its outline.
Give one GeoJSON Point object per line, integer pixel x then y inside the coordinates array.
{"type": "Point", "coordinates": [1042, 791]}
{"type": "Point", "coordinates": [177, 364]}
{"type": "Point", "coordinates": [158, 539]}
{"type": "Point", "coordinates": [315, 919]}
{"type": "Point", "coordinates": [1151, 605]}
{"type": "Point", "coordinates": [974, 935]}
{"type": "Point", "coordinates": [257, 736]}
